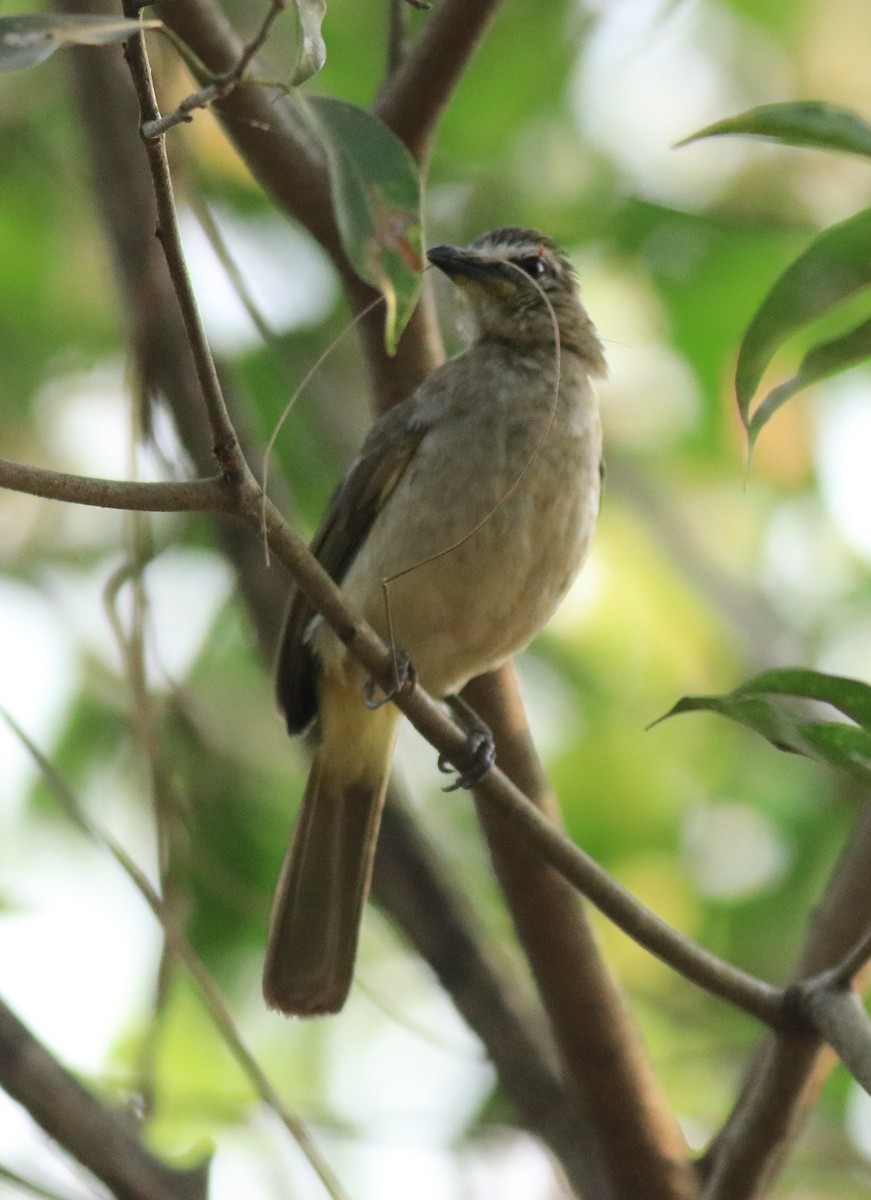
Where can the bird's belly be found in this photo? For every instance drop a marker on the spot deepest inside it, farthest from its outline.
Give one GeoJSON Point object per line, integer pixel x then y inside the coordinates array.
{"type": "Point", "coordinates": [461, 610]}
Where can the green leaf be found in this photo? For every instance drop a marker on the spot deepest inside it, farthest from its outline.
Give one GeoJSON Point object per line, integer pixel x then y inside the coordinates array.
{"type": "Point", "coordinates": [823, 361]}
{"type": "Point", "coordinates": [834, 268]}
{"type": "Point", "coordinates": [756, 704]}
{"type": "Point", "coordinates": [800, 123]}
{"type": "Point", "coordinates": [312, 51]}
{"type": "Point", "coordinates": [852, 697]}
{"type": "Point", "coordinates": [376, 193]}
{"type": "Point", "coordinates": [31, 38]}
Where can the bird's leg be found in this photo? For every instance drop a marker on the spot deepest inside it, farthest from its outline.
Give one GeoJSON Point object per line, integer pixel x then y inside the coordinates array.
{"type": "Point", "coordinates": [404, 679]}
{"type": "Point", "coordinates": [479, 743]}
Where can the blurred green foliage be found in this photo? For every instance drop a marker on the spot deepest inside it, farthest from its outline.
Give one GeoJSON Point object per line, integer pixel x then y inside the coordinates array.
{"type": "Point", "coordinates": [701, 575]}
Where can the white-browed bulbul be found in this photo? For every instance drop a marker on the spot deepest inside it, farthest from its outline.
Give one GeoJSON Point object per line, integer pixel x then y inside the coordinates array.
{"type": "Point", "coordinates": [517, 404]}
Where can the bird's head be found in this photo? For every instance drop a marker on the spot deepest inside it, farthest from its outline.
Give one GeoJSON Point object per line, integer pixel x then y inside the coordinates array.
{"type": "Point", "coordinates": [502, 275]}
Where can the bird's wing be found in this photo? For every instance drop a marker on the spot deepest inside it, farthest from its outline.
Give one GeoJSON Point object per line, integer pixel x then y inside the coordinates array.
{"type": "Point", "coordinates": [353, 507]}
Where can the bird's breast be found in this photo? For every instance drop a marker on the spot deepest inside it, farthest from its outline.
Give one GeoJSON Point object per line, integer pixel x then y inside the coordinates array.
{"type": "Point", "coordinates": [485, 532]}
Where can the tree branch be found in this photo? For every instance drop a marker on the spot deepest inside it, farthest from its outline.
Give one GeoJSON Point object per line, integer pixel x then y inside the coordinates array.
{"type": "Point", "coordinates": [840, 1017]}
{"type": "Point", "coordinates": [164, 911]}
{"type": "Point", "coordinates": [854, 961]}
{"type": "Point", "coordinates": [192, 495]}
{"type": "Point", "coordinates": [424, 81]}
{"type": "Point", "coordinates": [637, 1147]}
{"type": "Point", "coordinates": [225, 446]}
{"type": "Point", "coordinates": [100, 1138]}
{"type": "Point", "coordinates": [221, 85]}
{"type": "Point", "coordinates": [148, 310]}
{"type": "Point", "coordinates": [790, 1066]}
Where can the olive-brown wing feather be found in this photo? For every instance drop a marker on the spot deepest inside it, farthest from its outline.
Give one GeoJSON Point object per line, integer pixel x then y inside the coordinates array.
{"type": "Point", "coordinates": [348, 517]}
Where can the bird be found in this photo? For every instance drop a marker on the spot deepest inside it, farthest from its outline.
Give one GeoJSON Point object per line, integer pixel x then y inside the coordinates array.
{"type": "Point", "coordinates": [476, 497]}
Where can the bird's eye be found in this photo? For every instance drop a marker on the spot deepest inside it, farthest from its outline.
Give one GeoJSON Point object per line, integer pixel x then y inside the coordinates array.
{"type": "Point", "coordinates": [534, 266]}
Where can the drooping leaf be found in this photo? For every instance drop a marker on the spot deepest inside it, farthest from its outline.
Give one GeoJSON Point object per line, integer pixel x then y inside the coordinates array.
{"type": "Point", "coordinates": [800, 123]}
{"type": "Point", "coordinates": [376, 192]}
{"type": "Point", "coordinates": [763, 704]}
{"type": "Point", "coordinates": [835, 267]}
{"type": "Point", "coordinates": [312, 51]}
{"type": "Point", "coordinates": [31, 38]}
{"type": "Point", "coordinates": [824, 360]}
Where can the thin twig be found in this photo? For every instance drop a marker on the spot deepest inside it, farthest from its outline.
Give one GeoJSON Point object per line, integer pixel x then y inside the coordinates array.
{"type": "Point", "coordinates": [256, 44]}
{"type": "Point", "coordinates": [131, 642]}
{"type": "Point", "coordinates": [222, 84]}
{"type": "Point", "coordinates": [31, 1187]}
{"type": "Point", "coordinates": [225, 446]}
{"type": "Point", "coordinates": [193, 495]}
{"type": "Point", "coordinates": [185, 953]}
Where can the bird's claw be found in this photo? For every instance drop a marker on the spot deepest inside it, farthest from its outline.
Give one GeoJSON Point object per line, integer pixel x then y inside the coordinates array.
{"type": "Point", "coordinates": [480, 747]}
{"type": "Point", "coordinates": [404, 679]}
{"type": "Point", "coordinates": [482, 755]}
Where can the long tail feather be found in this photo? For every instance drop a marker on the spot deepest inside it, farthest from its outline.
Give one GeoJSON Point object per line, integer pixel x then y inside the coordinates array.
{"type": "Point", "coordinates": [325, 878]}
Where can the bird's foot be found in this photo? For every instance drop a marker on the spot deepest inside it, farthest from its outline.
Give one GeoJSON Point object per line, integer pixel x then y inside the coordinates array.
{"type": "Point", "coordinates": [404, 679]}
{"type": "Point", "coordinates": [480, 747]}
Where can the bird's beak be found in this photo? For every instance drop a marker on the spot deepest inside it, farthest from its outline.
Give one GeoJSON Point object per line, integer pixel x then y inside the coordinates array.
{"type": "Point", "coordinates": [458, 263]}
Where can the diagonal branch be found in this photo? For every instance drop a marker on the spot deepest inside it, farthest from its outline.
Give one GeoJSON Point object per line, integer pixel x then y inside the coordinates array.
{"type": "Point", "coordinates": [276, 144]}
{"type": "Point", "coordinates": [840, 1017]}
{"type": "Point", "coordinates": [636, 1145]}
{"type": "Point", "coordinates": [100, 1138]}
{"type": "Point", "coordinates": [755, 997]}
{"type": "Point", "coordinates": [211, 997]}
{"type": "Point", "coordinates": [854, 961]}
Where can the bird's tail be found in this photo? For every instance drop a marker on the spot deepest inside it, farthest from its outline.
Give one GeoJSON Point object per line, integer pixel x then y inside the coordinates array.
{"type": "Point", "coordinates": [325, 878]}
